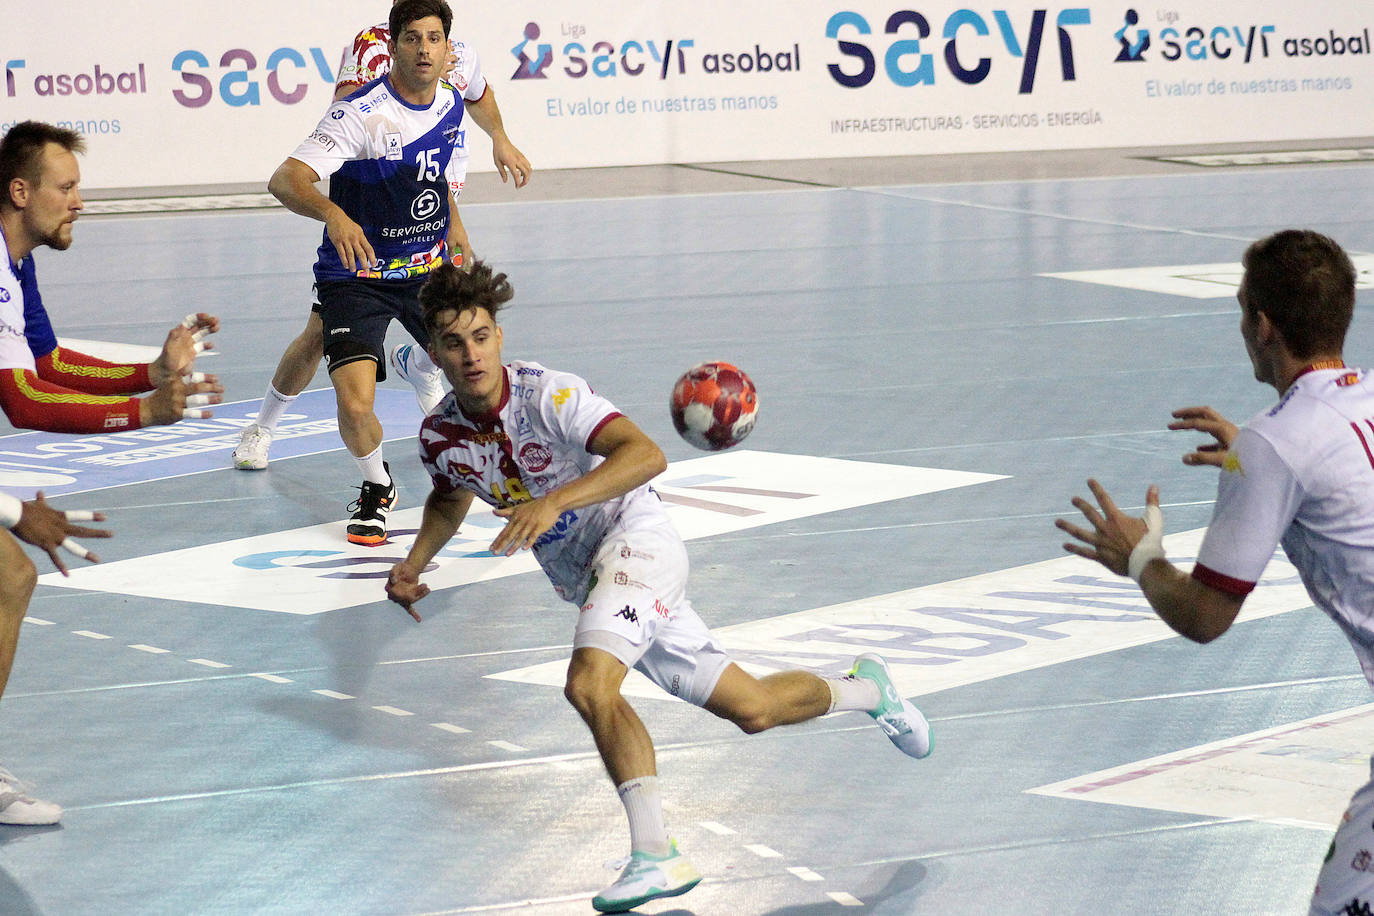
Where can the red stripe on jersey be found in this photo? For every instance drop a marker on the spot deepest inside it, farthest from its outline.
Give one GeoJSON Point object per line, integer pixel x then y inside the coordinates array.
{"type": "Point", "coordinates": [1220, 582]}
{"type": "Point", "coordinates": [600, 426]}
{"type": "Point", "coordinates": [1368, 454]}
{"type": "Point", "coordinates": [31, 403]}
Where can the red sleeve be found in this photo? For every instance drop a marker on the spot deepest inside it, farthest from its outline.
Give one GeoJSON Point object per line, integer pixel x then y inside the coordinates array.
{"type": "Point", "coordinates": [32, 403]}
{"type": "Point", "coordinates": [79, 372]}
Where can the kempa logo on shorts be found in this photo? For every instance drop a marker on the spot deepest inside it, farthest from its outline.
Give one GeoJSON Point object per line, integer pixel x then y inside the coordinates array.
{"type": "Point", "coordinates": [426, 205]}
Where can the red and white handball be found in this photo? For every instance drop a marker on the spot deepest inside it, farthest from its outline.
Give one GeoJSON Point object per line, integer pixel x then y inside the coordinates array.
{"type": "Point", "coordinates": [714, 406]}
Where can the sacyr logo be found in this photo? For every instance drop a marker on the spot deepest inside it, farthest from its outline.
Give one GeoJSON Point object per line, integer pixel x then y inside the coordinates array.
{"type": "Point", "coordinates": [607, 59]}
{"type": "Point", "coordinates": [238, 85]}
{"type": "Point", "coordinates": [1133, 47]}
{"type": "Point", "coordinates": [425, 205]}
{"type": "Point", "coordinates": [907, 63]}
{"type": "Point", "coordinates": [532, 68]}
{"type": "Point", "coordinates": [1219, 42]}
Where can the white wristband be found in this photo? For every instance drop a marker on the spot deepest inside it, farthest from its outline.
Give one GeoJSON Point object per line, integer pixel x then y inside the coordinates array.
{"type": "Point", "coordinates": [1150, 547]}
{"type": "Point", "coordinates": [11, 510]}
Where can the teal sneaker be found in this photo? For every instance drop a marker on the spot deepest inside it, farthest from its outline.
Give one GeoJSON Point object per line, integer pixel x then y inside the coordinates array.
{"type": "Point", "coordinates": [647, 877]}
{"type": "Point", "coordinates": [903, 722]}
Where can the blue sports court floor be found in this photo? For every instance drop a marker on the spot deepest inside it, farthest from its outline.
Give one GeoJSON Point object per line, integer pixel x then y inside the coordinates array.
{"type": "Point", "coordinates": [237, 722]}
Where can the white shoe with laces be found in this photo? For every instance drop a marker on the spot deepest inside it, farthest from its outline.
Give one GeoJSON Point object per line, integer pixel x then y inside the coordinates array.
{"type": "Point", "coordinates": [18, 808]}
{"type": "Point", "coordinates": [647, 877]}
{"type": "Point", "coordinates": [429, 386]}
{"type": "Point", "coordinates": [251, 453]}
{"type": "Point", "coordinates": [896, 716]}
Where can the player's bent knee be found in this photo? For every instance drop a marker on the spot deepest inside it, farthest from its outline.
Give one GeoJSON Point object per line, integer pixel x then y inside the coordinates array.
{"type": "Point", "coordinates": [18, 578]}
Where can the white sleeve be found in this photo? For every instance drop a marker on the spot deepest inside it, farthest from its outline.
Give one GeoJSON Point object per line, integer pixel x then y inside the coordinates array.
{"type": "Point", "coordinates": [477, 83]}
{"type": "Point", "coordinates": [1258, 496]}
{"type": "Point", "coordinates": [14, 347]}
{"type": "Point", "coordinates": [339, 137]}
{"type": "Point", "coordinates": [11, 510]}
{"type": "Point", "coordinates": [569, 407]}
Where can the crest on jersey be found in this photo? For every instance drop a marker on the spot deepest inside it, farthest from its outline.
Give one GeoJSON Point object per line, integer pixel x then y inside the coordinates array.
{"type": "Point", "coordinates": [395, 149]}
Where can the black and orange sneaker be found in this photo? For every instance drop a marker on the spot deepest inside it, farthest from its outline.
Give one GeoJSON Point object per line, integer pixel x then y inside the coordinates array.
{"type": "Point", "coordinates": [368, 522]}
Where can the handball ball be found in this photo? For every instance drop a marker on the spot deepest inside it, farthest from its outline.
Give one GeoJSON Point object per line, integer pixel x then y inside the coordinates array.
{"type": "Point", "coordinates": [714, 406]}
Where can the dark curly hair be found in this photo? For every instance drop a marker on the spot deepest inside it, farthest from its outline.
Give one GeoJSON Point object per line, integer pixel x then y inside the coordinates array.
{"type": "Point", "coordinates": [450, 289]}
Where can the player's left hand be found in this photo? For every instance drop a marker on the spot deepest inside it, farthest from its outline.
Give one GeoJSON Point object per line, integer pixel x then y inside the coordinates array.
{"type": "Point", "coordinates": [1114, 533]}
{"type": "Point", "coordinates": [184, 342]}
{"type": "Point", "coordinates": [510, 160]}
{"type": "Point", "coordinates": [525, 522]}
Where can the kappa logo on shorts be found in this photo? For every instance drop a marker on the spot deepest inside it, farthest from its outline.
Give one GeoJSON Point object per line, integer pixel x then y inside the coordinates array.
{"type": "Point", "coordinates": [628, 613]}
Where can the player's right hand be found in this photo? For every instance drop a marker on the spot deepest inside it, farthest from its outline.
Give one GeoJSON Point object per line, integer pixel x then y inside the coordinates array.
{"type": "Point", "coordinates": [49, 529]}
{"type": "Point", "coordinates": [404, 587]}
{"type": "Point", "coordinates": [1206, 420]}
{"type": "Point", "coordinates": [354, 250]}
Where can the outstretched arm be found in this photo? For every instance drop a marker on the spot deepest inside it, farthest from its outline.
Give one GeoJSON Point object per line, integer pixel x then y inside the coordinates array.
{"type": "Point", "coordinates": [37, 523]}
{"type": "Point", "coordinates": [1132, 546]}
{"type": "Point", "coordinates": [439, 523]}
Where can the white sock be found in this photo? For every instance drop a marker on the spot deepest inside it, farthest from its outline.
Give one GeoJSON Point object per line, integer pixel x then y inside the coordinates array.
{"type": "Point", "coordinates": [274, 404]}
{"type": "Point", "coordinates": [645, 810]}
{"type": "Point", "coordinates": [372, 467]}
{"type": "Point", "coordinates": [850, 692]}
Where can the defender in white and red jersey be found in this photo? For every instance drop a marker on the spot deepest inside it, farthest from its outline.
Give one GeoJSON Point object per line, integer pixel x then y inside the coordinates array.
{"type": "Point", "coordinates": [368, 58]}
{"type": "Point", "coordinates": [1300, 474]}
{"type": "Point", "coordinates": [570, 474]}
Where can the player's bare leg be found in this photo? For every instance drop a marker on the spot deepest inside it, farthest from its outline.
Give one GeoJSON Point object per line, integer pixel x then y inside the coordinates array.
{"type": "Point", "coordinates": [655, 868]}
{"type": "Point", "coordinates": [788, 697]}
{"type": "Point", "coordinates": [355, 392]}
{"type": "Point", "coordinates": [17, 580]}
{"type": "Point", "coordinates": [758, 704]}
{"type": "Point", "coordinates": [301, 359]}
{"type": "Point", "coordinates": [593, 688]}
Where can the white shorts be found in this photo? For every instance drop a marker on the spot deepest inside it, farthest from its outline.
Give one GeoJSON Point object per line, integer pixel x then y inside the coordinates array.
{"type": "Point", "coordinates": [637, 610]}
{"type": "Point", "coordinates": [1346, 882]}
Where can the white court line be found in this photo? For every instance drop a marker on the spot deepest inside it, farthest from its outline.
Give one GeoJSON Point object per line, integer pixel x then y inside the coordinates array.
{"type": "Point", "coordinates": [334, 695]}
{"type": "Point", "coordinates": [717, 829]}
{"type": "Point", "coordinates": [451, 728]}
{"type": "Point", "coordinates": [89, 634]}
{"type": "Point", "coordinates": [507, 746]}
{"type": "Point", "coordinates": [763, 852]}
{"type": "Point", "coordinates": [274, 678]}
{"type": "Point", "coordinates": [208, 663]}
{"type": "Point", "coordinates": [804, 873]}
{"type": "Point", "coordinates": [152, 650]}
{"type": "Point", "coordinates": [393, 711]}
{"type": "Point", "coordinates": [39, 622]}
{"type": "Point", "coordinates": [844, 899]}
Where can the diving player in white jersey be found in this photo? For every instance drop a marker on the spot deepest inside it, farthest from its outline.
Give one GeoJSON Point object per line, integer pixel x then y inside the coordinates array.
{"type": "Point", "coordinates": [368, 58]}
{"type": "Point", "coordinates": [1300, 474]}
{"type": "Point", "coordinates": [570, 474]}
{"type": "Point", "coordinates": [386, 149]}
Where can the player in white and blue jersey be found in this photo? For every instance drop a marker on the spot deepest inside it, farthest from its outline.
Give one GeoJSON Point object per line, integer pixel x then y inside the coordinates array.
{"type": "Point", "coordinates": [386, 149]}
{"type": "Point", "coordinates": [1300, 474]}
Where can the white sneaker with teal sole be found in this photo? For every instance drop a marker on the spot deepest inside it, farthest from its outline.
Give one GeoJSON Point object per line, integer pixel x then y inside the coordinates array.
{"type": "Point", "coordinates": [647, 877]}
{"type": "Point", "coordinates": [429, 386]}
{"type": "Point", "coordinates": [895, 715]}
